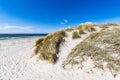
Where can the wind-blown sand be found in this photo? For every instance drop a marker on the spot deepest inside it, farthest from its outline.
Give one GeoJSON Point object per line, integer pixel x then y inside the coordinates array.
{"type": "Point", "coordinates": [16, 63]}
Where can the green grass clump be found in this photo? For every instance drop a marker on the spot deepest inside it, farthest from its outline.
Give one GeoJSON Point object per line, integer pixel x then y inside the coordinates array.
{"type": "Point", "coordinates": [81, 32]}
{"type": "Point", "coordinates": [92, 47]}
{"type": "Point", "coordinates": [48, 47]}
{"type": "Point", "coordinates": [75, 35]}
{"type": "Point", "coordinates": [86, 27]}
{"type": "Point", "coordinates": [69, 29]}
{"type": "Point", "coordinates": [79, 27]}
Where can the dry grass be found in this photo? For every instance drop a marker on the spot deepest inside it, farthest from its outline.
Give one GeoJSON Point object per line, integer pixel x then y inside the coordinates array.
{"type": "Point", "coordinates": [69, 29]}
{"type": "Point", "coordinates": [79, 27]}
{"type": "Point", "coordinates": [105, 26]}
{"type": "Point", "coordinates": [75, 35]}
{"type": "Point", "coordinates": [92, 47]}
{"type": "Point", "coordinates": [110, 24]}
{"type": "Point", "coordinates": [37, 45]}
{"type": "Point", "coordinates": [48, 47]}
{"type": "Point", "coordinates": [38, 42]}
{"type": "Point", "coordinates": [81, 32]}
{"type": "Point", "coordinates": [86, 27]}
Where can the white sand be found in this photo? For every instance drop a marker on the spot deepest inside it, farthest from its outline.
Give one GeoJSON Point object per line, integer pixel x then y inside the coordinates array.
{"type": "Point", "coordinates": [16, 63]}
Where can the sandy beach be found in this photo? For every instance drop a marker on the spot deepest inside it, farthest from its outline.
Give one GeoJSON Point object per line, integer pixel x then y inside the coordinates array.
{"type": "Point", "coordinates": [59, 39]}
{"type": "Point", "coordinates": [16, 63]}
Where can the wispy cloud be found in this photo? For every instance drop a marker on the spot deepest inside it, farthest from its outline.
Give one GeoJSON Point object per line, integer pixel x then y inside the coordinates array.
{"type": "Point", "coordinates": [64, 21]}
{"type": "Point", "coordinates": [16, 29]}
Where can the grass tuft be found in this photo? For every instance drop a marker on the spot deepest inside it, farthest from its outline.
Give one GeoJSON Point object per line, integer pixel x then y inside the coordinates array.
{"type": "Point", "coordinates": [69, 29]}
{"type": "Point", "coordinates": [86, 27]}
{"type": "Point", "coordinates": [75, 35]}
{"type": "Point", "coordinates": [81, 32]}
{"type": "Point", "coordinates": [48, 47]}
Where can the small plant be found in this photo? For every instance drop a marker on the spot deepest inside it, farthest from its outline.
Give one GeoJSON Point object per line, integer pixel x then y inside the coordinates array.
{"type": "Point", "coordinates": [79, 27]}
{"type": "Point", "coordinates": [81, 32]}
{"type": "Point", "coordinates": [69, 29]}
{"type": "Point", "coordinates": [88, 27]}
{"type": "Point", "coordinates": [75, 35]}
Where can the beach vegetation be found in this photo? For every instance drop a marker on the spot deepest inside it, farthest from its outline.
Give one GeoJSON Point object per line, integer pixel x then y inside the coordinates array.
{"type": "Point", "coordinates": [39, 41]}
{"type": "Point", "coordinates": [75, 35]}
{"type": "Point", "coordinates": [105, 26]}
{"type": "Point", "coordinates": [92, 47]}
{"type": "Point", "coordinates": [85, 27]}
{"type": "Point", "coordinates": [48, 47]}
{"type": "Point", "coordinates": [69, 29]}
{"type": "Point", "coordinates": [81, 32]}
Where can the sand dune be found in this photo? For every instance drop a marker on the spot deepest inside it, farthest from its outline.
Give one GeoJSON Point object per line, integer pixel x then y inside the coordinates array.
{"type": "Point", "coordinates": [16, 63]}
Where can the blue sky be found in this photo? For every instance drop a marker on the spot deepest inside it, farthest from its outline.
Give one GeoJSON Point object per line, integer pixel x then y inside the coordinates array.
{"type": "Point", "coordinates": [43, 16]}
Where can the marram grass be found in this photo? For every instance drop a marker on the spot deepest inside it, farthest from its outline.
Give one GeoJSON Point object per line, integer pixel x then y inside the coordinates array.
{"type": "Point", "coordinates": [69, 29]}
{"type": "Point", "coordinates": [103, 46]}
{"type": "Point", "coordinates": [48, 47]}
{"type": "Point", "coordinates": [75, 35]}
{"type": "Point", "coordinates": [81, 32]}
{"type": "Point", "coordinates": [93, 47]}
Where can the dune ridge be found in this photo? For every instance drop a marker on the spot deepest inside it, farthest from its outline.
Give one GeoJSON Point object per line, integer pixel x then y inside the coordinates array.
{"type": "Point", "coordinates": [17, 61]}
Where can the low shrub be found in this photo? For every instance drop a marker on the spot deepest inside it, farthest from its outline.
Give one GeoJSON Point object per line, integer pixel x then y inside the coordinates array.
{"type": "Point", "coordinates": [88, 27]}
{"type": "Point", "coordinates": [75, 35]}
{"type": "Point", "coordinates": [69, 29]}
{"type": "Point", "coordinates": [79, 27]}
{"type": "Point", "coordinates": [81, 32]}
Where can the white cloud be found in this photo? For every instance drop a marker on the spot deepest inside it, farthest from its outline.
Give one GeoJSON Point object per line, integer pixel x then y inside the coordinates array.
{"type": "Point", "coordinates": [16, 29]}
{"type": "Point", "coordinates": [64, 22]}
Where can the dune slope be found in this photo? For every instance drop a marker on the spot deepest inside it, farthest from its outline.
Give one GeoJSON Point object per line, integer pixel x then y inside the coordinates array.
{"type": "Point", "coordinates": [18, 63]}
